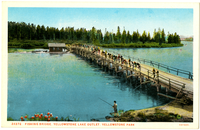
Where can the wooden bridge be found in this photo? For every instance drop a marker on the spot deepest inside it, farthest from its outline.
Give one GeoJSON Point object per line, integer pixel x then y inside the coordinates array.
{"type": "Point", "coordinates": [182, 86]}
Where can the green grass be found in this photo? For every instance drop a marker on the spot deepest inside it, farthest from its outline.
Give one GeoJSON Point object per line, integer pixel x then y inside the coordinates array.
{"type": "Point", "coordinates": [140, 45]}
{"type": "Point", "coordinates": [14, 50]}
{"type": "Point", "coordinates": [30, 44]}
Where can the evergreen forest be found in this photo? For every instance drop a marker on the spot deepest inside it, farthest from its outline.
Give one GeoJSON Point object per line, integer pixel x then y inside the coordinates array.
{"type": "Point", "coordinates": [23, 35]}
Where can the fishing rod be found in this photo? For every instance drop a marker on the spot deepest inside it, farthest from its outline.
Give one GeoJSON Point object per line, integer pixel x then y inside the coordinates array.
{"type": "Point", "coordinates": [105, 101]}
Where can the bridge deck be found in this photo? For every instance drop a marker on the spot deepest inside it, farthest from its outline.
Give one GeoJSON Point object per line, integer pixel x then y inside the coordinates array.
{"type": "Point", "coordinates": [173, 82]}
{"type": "Point", "coordinates": [188, 83]}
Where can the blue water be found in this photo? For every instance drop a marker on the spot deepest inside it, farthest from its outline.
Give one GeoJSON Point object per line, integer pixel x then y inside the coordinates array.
{"type": "Point", "coordinates": [69, 86]}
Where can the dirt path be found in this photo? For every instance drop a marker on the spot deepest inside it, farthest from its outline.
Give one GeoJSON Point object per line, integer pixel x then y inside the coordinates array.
{"type": "Point", "coordinates": [173, 107]}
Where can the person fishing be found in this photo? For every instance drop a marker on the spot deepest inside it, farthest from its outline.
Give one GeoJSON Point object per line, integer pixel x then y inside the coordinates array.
{"type": "Point", "coordinates": [154, 72]}
{"type": "Point", "coordinates": [99, 50]}
{"type": "Point", "coordinates": [121, 59]}
{"type": "Point", "coordinates": [138, 66]}
{"type": "Point", "coordinates": [115, 107]}
{"type": "Point", "coordinates": [118, 58]}
{"type": "Point", "coordinates": [114, 57]}
{"type": "Point", "coordinates": [132, 64]}
{"type": "Point", "coordinates": [135, 64]}
{"type": "Point", "coordinates": [157, 72]}
{"type": "Point", "coordinates": [129, 62]}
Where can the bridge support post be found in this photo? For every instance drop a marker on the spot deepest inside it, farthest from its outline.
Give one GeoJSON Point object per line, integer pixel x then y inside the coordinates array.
{"type": "Point", "coordinates": [131, 78]}
{"type": "Point", "coordinates": [103, 64]}
{"type": "Point", "coordinates": [167, 91]}
{"type": "Point", "coordinates": [117, 68]}
{"type": "Point", "coordinates": [158, 87]}
{"type": "Point", "coordinates": [126, 74]}
{"type": "Point", "coordinates": [136, 81]}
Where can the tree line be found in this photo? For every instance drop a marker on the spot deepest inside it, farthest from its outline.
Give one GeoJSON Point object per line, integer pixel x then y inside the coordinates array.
{"type": "Point", "coordinates": [23, 31]}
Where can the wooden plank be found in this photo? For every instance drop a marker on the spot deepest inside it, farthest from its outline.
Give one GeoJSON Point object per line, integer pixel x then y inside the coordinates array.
{"type": "Point", "coordinates": [112, 67]}
{"type": "Point", "coordinates": [132, 75]}
{"type": "Point", "coordinates": [178, 92]}
{"type": "Point", "coordinates": [120, 71]}
{"type": "Point", "coordinates": [166, 96]}
{"type": "Point", "coordinates": [146, 82]}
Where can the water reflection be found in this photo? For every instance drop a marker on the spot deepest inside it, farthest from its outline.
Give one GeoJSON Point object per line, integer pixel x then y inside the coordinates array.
{"type": "Point", "coordinates": [136, 90]}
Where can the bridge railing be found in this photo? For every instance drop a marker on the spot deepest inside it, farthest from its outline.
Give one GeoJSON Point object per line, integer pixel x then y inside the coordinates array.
{"type": "Point", "coordinates": [159, 65]}
{"type": "Point", "coordinates": [159, 78]}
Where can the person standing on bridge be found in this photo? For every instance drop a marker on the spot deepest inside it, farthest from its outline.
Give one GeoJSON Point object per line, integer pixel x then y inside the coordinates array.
{"type": "Point", "coordinates": [129, 62]}
{"type": "Point", "coordinates": [120, 60]}
{"type": "Point", "coordinates": [157, 72]}
{"type": "Point", "coordinates": [118, 57]}
{"type": "Point", "coordinates": [115, 57]}
{"type": "Point", "coordinates": [154, 72]}
{"type": "Point", "coordinates": [99, 50]}
{"type": "Point", "coordinates": [115, 107]}
{"type": "Point", "coordinates": [138, 66]}
{"type": "Point", "coordinates": [135, 64]}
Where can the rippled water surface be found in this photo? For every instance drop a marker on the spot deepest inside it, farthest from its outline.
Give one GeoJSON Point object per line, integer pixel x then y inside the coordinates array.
{"type": "Point", "coordinates": [69, 86]}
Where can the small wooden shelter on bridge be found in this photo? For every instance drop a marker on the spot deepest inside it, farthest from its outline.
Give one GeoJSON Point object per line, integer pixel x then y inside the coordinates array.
{"type": "Point", "coordinates": [56, 47]}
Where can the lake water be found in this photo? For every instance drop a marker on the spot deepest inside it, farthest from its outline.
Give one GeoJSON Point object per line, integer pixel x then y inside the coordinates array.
{"type": "Point", "coordinates": [69, 86]}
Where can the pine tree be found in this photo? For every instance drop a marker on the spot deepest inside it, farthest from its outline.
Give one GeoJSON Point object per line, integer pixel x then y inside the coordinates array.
{"type": "Point", "coordinates": [143, 38]}
{"type": "Point", "coordinates": [128, 39]}
{"type": "Point", "coordinates": [38, 32]}
{"type": "Point", "coordinates": [118, 36]}
{"type": "Point", "coordinates": [163, 36]}
{"type": "Point", "coordinates": [93, 34]}
{"type": "Point", "coordinates": [148, 37]}
{"type": "Point", "coordinates": [106, 38]}
{"type": "Point", "coordinates": [42, 35]}
{"type": "Point", "coordinates": [135, 37]}
{"type": "Point", "coordinates": [138, 35]}
{"type": "Point", "coordinates": [124, 37]}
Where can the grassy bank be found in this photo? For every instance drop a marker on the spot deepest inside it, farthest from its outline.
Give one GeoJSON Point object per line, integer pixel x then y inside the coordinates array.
{"type": "Point", "coordinates": [30, 44]}
{"type": "Point", "coordinates": [175, 111]}
{"type": "Point", "coordinates": [140, 45]}
{"type": "Point", "coordinates": [27, 44]}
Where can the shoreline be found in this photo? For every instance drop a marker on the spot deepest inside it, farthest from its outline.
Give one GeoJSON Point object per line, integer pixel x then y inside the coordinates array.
{"type": "Point", "coordinates": [174, 111]}
{"type": "Point", "coordinates": [142, 46]}
{"type": "Point", "coordinates": [34, 44]}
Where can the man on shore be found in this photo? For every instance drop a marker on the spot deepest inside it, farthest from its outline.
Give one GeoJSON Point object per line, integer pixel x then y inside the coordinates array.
{"type": "Point", "coordinates": [115, 107]}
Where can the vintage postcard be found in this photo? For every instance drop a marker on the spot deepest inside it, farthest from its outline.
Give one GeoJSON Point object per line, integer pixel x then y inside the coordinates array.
{"type": "Point", "coordinates": [100, 65]}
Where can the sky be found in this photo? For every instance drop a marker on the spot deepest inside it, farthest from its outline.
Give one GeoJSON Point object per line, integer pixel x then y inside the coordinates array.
{"type": "Point", "coordinates": [132, 19]}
